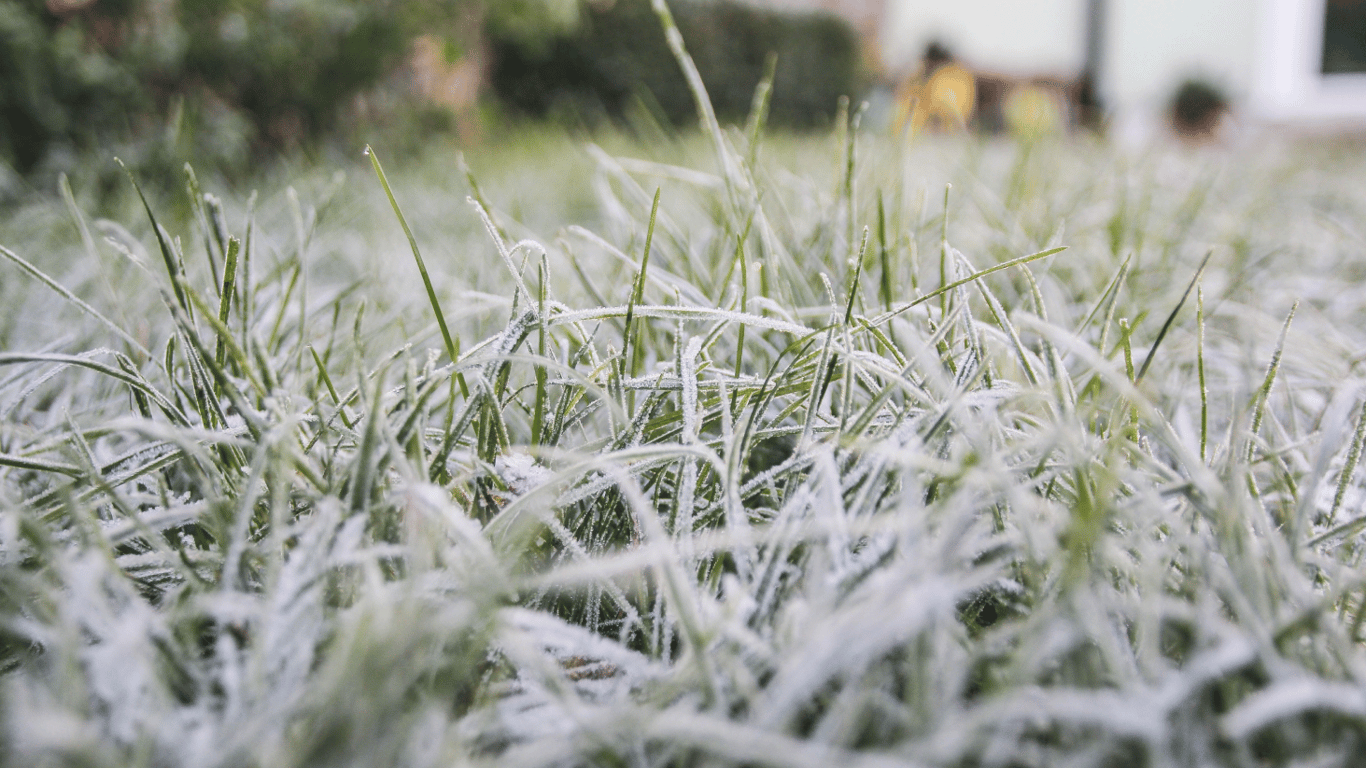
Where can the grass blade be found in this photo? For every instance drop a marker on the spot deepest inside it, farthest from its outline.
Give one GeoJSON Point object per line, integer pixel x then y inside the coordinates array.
{"type": "Point", "coordinates": [174, 269]}
{"type": "Point", "coordinates": [885, 316]}
{"type": "Point", "coordinates": [225, 298]}
{"type": "Point", "coordinates": [1200, 372]}
{"type": "Point", "coordinates": [1264, 392]}
{"type": "Point", "coordinates": [1166, 326]}
{"type": "Point", "coordinates": [62, 290]}
{"type": "Point", "coordinates": [452, 346]}
{"type": "Point", "coordinates": [629, 366]}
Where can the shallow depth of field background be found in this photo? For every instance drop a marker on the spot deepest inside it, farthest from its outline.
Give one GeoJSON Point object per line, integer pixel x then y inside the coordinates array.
{"type": "Point", "coordinates": [461, 383]}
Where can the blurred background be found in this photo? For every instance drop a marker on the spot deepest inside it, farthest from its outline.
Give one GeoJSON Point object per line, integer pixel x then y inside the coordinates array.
{"type": "Point", "coordinates": [234, 84]}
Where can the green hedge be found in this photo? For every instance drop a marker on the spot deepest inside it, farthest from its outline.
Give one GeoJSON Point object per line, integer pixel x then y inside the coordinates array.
{"type": "Point", "coordinates": [289, 65]}
{"type": "Point", "coordinates": [57, 84]}
{"type": "Point", "coordinates": [617, 55]}
{"type": "Point", "coordinates": [219, 80]}
{"type": "Point", "coordinates": [230, 79]}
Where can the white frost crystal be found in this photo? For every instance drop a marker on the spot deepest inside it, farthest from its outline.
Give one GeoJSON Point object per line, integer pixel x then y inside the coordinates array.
{"type": "Point", "coordinates": [520, 472]}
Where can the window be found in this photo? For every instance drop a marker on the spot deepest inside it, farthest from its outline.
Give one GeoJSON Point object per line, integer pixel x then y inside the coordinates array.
{"type": "Point", "coordinates": [1344, 36]}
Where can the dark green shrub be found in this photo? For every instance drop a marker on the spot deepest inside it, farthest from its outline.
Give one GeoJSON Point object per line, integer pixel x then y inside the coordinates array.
{"type": "Point", "coordinates": [1197, 107]}
{"type": "Point", "coordinates": [222, 81]}
{"type": "Point", "coordinates": [289, 65]}
{"type": "Point", "coordinates": [61, 78]}
{"type": "Point", "coordinates": [618, 54]}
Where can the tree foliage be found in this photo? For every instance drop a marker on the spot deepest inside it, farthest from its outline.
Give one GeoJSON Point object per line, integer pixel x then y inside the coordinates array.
{"type": "Point", "coordinates": [617, 57]}
{"type": "Point", "coordinates": [76, 72]}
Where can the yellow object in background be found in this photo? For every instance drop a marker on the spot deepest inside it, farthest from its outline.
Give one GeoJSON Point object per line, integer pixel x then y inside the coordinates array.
{"type": "Point", "coordinates": [1032, 111]}
{"type": "Point", "coordinates": [945, 101]}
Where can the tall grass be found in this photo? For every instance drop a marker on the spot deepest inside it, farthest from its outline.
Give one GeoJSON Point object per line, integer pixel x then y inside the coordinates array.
{"type": "Point", "coordinates": [776, 462]}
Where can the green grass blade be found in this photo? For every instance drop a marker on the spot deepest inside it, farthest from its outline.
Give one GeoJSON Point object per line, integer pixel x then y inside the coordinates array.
{"type": "Point", "coordinates": [1200, 372]}
{"type": "Point", "coordinates": [1264, 392]}
{"type": "Point", "coordinates": [225, 297]}
{"type": "Point", "coordinates": [629, 367]}
{"type": "Point", "coordinates": [1108, 298]}
{"type": "Point", "coordinates": [174, 269]}
{"type": "Point", "coordinates": [885, 316]}
{"type": "Point", "coordinates": [538, 406]}
{"type": "Point", "coordinates": [854, 280]}
{"type": "Point", "coordinates": [743, 265]}
{"type": "Point", "coordinates": [36, 465]}
{"type": "Point", "coordinates": [1349, 465]}
{"type": "Point", "coordinates": [944, 255]}
{"type": "Point", "coordinates": [884, 257]}
{"type": "Point", "coordinates": [758, 111]}
{"type": "Point", "coordinates": [452, 347]}
{"type": "Point", "coordinates": [65, 293]}
{"type": "Point", "coordinates": [1166, 326]}
{"type": "Point", "coordinates": [131, 379]}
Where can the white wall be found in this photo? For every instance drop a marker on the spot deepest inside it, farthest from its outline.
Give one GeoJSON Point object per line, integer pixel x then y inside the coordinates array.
{"type": "Point", "coordinates": [1287, 84]}
{"type": "Point", "coordinates": [1152, 45]}
{"type": "Point", "coordinates": [1023, 37]}
{"type": "Point", "coordinates": [1265, 54]}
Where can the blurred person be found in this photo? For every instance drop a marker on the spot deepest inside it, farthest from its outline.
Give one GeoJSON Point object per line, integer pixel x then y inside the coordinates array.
{"type": "Point", "coordinates": [941, 96]}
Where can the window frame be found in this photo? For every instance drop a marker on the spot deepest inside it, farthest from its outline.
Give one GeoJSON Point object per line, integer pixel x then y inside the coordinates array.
{"type": "Point", "coordinates": [1290, 85]}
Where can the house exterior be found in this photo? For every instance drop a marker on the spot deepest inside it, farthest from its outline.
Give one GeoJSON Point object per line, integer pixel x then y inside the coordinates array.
{"type": "Point", "coordinates": [1310, 61]}
{"type": "Point", "coordinates": [1284, 62]}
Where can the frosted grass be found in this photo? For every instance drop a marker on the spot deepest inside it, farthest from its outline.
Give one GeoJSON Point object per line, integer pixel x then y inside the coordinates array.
{"type": "Point", "coordinates": [810, 521]}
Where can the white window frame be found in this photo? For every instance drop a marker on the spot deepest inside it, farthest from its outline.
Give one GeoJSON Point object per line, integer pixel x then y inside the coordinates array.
{"type": "Point", "coordinates": [1290, 86]}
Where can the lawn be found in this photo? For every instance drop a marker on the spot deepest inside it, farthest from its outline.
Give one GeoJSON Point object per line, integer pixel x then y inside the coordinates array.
{"type": "Point", "coordinates": [717, 448]}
